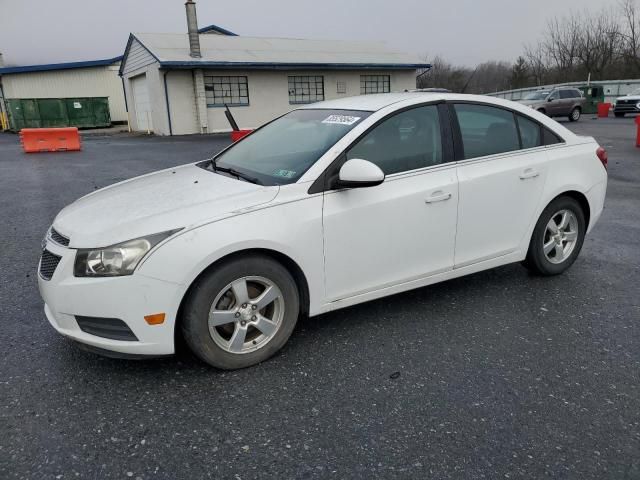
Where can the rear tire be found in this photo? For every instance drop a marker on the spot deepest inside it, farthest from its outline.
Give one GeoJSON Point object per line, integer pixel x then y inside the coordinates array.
{"type": "Point", "coordinates": [574, 116]}
{"type": "Point", "coordinates": [241, 312]}
{"type": "Point", "coordinates": [557, 237]}
{"type": "Point", "coordinates": [619, 114]}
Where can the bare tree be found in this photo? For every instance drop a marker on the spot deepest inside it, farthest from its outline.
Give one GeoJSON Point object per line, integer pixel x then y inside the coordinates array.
{"type": "Point", "coordinates": [538, 62]}
{"type": "Point", "coordinates": [598, 41]}
{"type": "Point", "coordinates": [630, 34]}
{"type": "Point", "coordinates": [562, 42]}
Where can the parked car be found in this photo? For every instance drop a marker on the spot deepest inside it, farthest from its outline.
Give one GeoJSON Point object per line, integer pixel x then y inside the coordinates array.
{"type": "Point", "coordinates": [628, 104]}
{"type": "Point", "coordinates": [559, 102]}
{"type": "Point", "coordinates": [330, 205]}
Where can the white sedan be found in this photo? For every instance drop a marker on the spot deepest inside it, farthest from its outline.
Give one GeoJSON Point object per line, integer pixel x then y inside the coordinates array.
{"type": "Point", "coordinates": [330, 205]}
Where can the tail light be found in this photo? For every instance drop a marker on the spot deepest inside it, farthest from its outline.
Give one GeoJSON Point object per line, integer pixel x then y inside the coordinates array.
{"type": "Point", "coordinates": [603, 156]}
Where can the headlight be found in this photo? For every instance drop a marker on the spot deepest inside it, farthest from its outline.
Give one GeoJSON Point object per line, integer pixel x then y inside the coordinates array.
{"type": "Point", "coordinates": [117, 260]}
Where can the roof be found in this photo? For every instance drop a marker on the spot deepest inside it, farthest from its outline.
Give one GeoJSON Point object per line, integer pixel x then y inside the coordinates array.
{"type": "Point", "coordinates": [219, 51]}
{"type": "Point", "coordinates": [370, 103]}
{"type": "Point", "coordinates": [215, 28]}
{"type": "Point", "coordinates": [60, 66]}
{"type": "Point", "coordinates": [373, 103]}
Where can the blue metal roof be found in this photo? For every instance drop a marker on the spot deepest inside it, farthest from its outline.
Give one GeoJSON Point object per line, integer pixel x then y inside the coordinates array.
{"type": "Point", "coordinates": [215, 28]}
{"type": "Point", "coordinates": [293, 66]}
{"type": "Point", "coordinates": [59, 66]}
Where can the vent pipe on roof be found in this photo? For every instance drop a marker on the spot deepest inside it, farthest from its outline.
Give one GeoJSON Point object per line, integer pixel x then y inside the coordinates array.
{"type": "Point", "coordinates": [192, 28]}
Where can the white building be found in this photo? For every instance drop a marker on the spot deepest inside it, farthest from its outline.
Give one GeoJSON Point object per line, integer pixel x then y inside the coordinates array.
{"type": "Point", "coordinates": [179, 83]}
{"type": "Point", "coordinates": [90, 79]}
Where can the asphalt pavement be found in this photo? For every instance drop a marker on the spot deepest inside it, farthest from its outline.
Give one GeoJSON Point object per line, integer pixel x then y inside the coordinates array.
{"type": "Point", "coordinates": [497, 375]}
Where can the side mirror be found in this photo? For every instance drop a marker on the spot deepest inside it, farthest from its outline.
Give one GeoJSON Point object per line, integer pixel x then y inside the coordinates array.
{"type": "Point", "coordinates": [551, 99]}
{"type": "Point", "coordinates": [357, 173]}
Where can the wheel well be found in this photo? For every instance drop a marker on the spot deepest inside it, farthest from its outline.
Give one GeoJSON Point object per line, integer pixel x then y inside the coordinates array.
{"type": "Point", "coordinates": [542, 110]}
{"type": "Point", "coordinates": [582, 200]}
{"type": "Point", "coordinates": [293, 268]}
{"type": "Point", "coordinates": [578, 107]}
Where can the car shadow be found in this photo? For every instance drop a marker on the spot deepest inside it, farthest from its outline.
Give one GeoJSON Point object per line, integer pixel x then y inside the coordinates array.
{"type": "Point", "coordinates": [423, 307]}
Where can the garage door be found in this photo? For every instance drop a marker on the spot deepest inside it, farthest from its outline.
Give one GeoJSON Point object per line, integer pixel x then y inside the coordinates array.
{"type": "Point", "coordinates": [141, 103]}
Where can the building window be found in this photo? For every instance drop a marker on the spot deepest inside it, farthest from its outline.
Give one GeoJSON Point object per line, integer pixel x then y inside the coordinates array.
{"type": "Point", "coordinates": [221, 91]}
{"type": "Point", "coordinates": [375, 84]}
{"type": "Point", "coordinates": [342, 87]}
{"type": "Point", "coordinates": [306, 89]}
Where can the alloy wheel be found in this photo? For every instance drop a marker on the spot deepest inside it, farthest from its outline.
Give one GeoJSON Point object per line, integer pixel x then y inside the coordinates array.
{"type": "Point", "coordinates": [560, 236]}
{"type": "Point", "coordinates": [246, 314]}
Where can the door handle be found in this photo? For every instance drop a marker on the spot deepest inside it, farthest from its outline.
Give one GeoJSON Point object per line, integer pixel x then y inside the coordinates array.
{"type": "Point", "coordinates": [438, 196]}
{"type": "Point", "coordinates": [529, 173]}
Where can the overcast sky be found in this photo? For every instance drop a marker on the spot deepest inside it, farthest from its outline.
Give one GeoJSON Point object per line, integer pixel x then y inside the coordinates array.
{"type": "Point", "coordinates": [463, 31]}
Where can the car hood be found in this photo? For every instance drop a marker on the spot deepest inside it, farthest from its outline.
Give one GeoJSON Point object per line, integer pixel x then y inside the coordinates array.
{"type": "Point", "coordinates": [170, 199]}
{"type": "Point", "coordinates": [530, 102]}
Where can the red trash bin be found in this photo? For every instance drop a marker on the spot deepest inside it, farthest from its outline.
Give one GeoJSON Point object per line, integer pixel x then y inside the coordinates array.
{"type": "Point", "coordinates": [603, 110]}
{"type": "Point", "coordinates": [637, 130]}
{"type": "Point", "coordinates": [238, 134]}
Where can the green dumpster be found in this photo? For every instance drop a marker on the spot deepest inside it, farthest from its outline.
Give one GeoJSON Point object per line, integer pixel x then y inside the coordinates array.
{"type": "Point", "coordinates": [594, 95]}
{"type": "Point", "coordinates": [90, 112]}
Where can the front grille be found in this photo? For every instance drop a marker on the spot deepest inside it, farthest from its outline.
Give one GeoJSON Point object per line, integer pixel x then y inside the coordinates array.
{"type": "Point", "coordinates": [112, 328]}
{"type": "Point", "coordinates": [48, 264]}
{"type": "Point", "coordinates": [59, 238]}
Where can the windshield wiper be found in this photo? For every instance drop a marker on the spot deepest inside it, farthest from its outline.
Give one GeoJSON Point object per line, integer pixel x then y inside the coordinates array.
{"type": "Point", "coordinates": [235, 173]}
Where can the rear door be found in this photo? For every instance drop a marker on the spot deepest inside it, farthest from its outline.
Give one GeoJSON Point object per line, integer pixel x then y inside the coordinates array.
{"type": "Point", "coordinates": [501, 173]}
{"type": "Point", "coordinates": [567, 101]}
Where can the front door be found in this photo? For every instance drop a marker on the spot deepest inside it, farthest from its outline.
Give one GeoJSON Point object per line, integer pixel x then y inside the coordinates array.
{"type": "Point", "coordinates": [501, 179]}
{"type": "Point", "coordinates": [403, 229]}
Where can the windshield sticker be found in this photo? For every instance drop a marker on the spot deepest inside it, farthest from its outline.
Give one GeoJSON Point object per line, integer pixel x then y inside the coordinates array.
{"type": "Point", "coordinates": [285, 173]}
{"type": "Point", "coordinates": [341, 119]}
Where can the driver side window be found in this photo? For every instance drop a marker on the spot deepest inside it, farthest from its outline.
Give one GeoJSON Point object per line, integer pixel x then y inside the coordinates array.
{"type": "Point", "coordinates": [403, 142]}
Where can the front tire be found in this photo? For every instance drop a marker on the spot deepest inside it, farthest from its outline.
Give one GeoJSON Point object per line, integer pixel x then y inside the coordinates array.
{"type": "Point", "coordinates": [574, 116]}
{"type": "Point", "coordinates": [557, 237]}
{"type": "Point", "coordinates": [241, 312]}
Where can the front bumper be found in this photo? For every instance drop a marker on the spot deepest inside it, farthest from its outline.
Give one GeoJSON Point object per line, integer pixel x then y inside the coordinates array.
{"type": "Point", "coordinates": [127, 298]}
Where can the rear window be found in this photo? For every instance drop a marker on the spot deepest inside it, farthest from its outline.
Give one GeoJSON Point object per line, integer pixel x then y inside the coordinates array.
{"type": "Point", "coordinates": [486, 130]}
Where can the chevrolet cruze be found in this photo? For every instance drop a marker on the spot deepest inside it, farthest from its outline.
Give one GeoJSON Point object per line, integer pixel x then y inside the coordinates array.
{"type": "Point", "coordinates": [330, 205]}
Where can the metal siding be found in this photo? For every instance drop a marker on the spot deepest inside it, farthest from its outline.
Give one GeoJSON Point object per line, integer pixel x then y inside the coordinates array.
{"type": "Point", "coordinates": [81, 82]}
{"type": "Point", "coordinates": [138, 58]}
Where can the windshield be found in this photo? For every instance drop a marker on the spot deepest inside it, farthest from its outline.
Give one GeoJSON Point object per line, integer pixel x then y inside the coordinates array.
{"type": "Point", "coordinates": [281, 151]}
{"type": "Point", "coordinates": [537, 95]}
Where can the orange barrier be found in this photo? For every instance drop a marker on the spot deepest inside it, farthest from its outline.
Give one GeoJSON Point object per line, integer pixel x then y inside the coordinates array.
{"type": "Point", "coordinates": [603, 110]}
{"type": "Point", "coordinates": [50, 139]}
{"type": "Point", "coordinates": [238, 134]}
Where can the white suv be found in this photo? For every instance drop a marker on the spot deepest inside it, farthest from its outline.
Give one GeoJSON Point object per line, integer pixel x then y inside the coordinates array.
{"type": "Point", "coordinates": [627, 104]}
{"type": "Point", "coordinates": [330, 205]}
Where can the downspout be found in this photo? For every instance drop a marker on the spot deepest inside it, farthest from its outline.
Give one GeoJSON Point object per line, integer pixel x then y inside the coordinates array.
{"type": "Point", "coordinates": [126, 104]}
{"type": "Point", "coordinates": [166, 99]}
